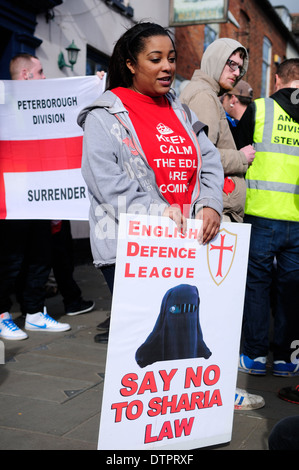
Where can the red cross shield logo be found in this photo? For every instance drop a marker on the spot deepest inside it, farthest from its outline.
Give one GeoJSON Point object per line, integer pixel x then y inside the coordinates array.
{"type": "Point", "coordinates": [221, 253]}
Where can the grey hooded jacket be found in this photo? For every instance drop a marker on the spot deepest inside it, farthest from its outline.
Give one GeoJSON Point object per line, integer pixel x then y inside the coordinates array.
{"type": "Point", "coordinates": [119, 178]}
{"type": "Point", "coordinates": [201, 94]}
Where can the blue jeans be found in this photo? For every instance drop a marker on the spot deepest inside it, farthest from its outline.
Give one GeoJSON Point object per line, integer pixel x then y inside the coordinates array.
{"type": "Point", "coordinates": [109, 273]}
{"type": "Point", "coordinates": [272, 240]}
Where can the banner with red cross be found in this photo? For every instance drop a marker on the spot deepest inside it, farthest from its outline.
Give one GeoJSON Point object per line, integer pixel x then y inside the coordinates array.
{"type": "Point", "coordinates": [41, 147]}
{"type": "Point", "coordinates": [174, 337]}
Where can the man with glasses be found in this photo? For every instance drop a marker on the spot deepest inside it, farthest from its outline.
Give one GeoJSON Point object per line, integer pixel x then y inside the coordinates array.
{"type": "Point", "coordinates": [223, 65]}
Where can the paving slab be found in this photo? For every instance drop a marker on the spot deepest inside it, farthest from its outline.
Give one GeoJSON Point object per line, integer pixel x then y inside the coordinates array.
{"type": "Point", "coordinates": [51, 385]}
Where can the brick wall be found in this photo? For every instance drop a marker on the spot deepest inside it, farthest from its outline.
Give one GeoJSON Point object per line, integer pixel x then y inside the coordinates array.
{"type": "Point", "coordinates": [255, 24]}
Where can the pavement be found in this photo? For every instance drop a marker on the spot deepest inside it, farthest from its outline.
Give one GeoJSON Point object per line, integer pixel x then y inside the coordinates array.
{"type": "Point", "coordinates": [51, 383]}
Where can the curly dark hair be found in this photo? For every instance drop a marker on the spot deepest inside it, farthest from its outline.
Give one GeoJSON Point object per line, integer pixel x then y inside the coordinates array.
{"type": "Point", "coordinates": [128, 46]}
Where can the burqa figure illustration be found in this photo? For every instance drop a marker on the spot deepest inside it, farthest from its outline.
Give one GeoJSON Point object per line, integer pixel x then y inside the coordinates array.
{"type": "Point", "coordinates": [177, 333]}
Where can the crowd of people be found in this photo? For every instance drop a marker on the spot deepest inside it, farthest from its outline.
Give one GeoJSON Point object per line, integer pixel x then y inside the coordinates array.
{"type": "Point", "coordinates": [245, 168]}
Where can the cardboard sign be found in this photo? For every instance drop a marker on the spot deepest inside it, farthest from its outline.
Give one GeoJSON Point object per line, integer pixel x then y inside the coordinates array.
{"type": "Point", "coordinates": [174, 337]}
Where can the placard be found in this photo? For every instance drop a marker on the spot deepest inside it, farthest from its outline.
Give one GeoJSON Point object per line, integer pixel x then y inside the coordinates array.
{"type": "Point", "coordinates": [174, 336]}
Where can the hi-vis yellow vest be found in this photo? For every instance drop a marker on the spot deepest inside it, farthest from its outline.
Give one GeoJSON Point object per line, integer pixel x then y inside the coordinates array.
{"type": "Point", "coordinates": [273, 178]}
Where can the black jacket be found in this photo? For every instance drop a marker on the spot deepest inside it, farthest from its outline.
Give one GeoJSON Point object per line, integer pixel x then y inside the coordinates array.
{"type": "Point", "coordinates": [287, 98]}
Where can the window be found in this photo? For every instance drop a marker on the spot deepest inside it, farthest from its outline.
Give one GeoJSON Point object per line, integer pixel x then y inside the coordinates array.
{"type": "Point", "coordinates": [210, 36]}
{"type": "Point", "coordinates": [267, 53]}
{"type": "Point", "coordinates": [96, 61]}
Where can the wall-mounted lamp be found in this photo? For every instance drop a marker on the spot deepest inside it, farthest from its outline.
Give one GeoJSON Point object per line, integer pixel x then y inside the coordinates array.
{"type": "Point", "coordinates": [72, 54]}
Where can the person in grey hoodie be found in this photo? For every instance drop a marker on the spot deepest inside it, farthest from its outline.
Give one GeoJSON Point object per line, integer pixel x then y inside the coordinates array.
{"type": "Point", "coordinates": [223, 64]}
{"type": "Point", "coordinates": [119, 175]}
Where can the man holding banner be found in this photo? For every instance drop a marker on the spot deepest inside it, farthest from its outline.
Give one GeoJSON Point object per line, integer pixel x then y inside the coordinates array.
{"type": "Point", "coordinates": [25, 250]}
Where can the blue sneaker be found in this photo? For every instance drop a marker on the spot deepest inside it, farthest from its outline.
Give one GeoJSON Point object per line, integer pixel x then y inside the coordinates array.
{"type": "Point", "coordinates": [285, 369]}
{"type": "Point", "coordinates": [43, 322]}
{"type": "Point", "coordinates": [255, 366]}
{"type": "Point", "coordinates": [8, 329]}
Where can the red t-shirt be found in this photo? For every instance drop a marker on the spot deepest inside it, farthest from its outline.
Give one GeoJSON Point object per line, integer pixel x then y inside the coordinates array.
{"type": "Point", "coordinates": [167, 146]}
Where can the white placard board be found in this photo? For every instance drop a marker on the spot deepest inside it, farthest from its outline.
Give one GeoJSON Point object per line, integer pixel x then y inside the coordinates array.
{"type": "Point", "coordinates": [174, 337]}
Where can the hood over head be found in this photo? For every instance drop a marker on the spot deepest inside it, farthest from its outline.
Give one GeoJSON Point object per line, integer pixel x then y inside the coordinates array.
{"type": "Point", "coordinates": [216, 55]}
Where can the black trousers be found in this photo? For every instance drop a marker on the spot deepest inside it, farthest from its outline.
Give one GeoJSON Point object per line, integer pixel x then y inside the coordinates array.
{"type": "Point", "coordinates": [63, 264]}
{"type": "Point", "coordinates": [25, 259]}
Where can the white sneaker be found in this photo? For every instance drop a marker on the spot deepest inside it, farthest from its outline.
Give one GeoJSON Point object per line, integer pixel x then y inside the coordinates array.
{"type": "Point", "coordinates": [8, 328]}
{"type": "Point", "coordinates": [247, 401]}
{"type": "Point", "coordinates": [41, 321]}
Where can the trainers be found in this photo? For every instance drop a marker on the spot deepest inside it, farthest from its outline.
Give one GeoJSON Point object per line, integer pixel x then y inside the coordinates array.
{"type": "Point", "coordinates": [81, 306]}
{"type": "Point", "coordinates": [9, 330]}
{"type": "Point", "coordinates": [41, 321]}
{"type": "Point", "coordinates": [255, 366]}
{"type": "Point", "coordinates": [290, 394]}
{"type": "Point", "coordinates": [247, 401]}
{"type": "Point", "coordinates": [285, 369]}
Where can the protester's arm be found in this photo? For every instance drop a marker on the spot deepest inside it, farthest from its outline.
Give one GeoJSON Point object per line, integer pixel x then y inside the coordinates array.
{"type": "Point", "coordinates": [109, 184]}
{"type": "Point", "coordinates": [210, 202]}
{"type": "Point", "coordinates": [104, 171]}
{"type": "Point", "coordinates": [212, 178]}
{"type": "Point", "coordinates": [207, 108]}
